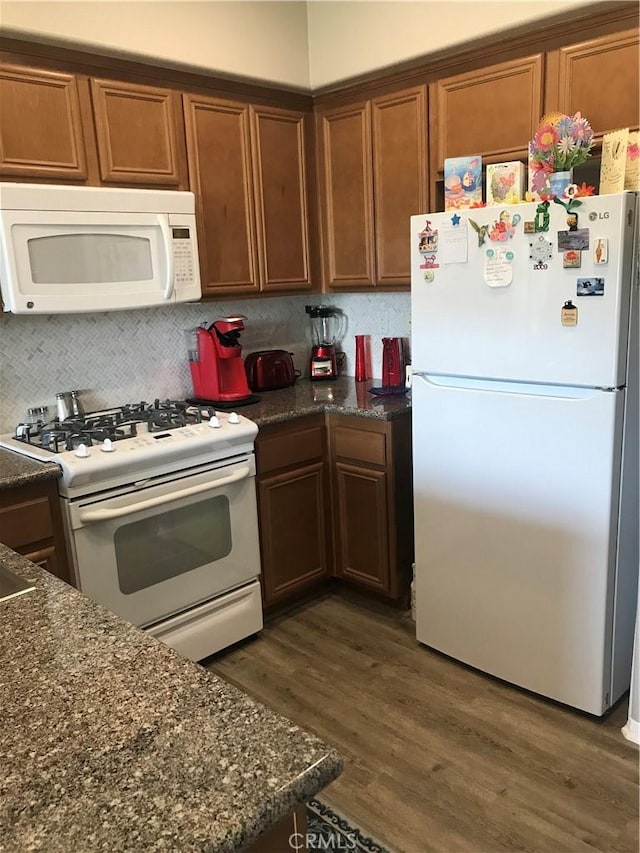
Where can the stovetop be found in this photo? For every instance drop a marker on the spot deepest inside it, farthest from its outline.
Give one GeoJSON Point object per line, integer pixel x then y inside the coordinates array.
{"type": "Point", "coordinates": [105, 449]}
{"type": "Point", "coordinates": [110, 425]}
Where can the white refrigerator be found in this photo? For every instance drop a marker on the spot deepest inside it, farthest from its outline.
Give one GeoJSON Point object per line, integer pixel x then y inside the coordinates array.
{"type": "Point", "coordinates": [524, 337]}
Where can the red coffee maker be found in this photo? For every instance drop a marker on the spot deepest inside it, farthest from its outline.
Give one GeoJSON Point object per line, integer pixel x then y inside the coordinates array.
{"type": "Point", "coordinates": [393, 363]}
{"type": "Point", "coordinates": [215, 361]}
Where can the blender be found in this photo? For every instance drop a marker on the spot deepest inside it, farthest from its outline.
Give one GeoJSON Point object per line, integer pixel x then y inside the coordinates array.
{"type": "Point", "coordinates": [328, 326]}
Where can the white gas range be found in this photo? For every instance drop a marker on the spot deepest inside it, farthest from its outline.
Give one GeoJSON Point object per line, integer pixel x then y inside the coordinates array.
{"type": "Point", "coordinates": [160, 517]}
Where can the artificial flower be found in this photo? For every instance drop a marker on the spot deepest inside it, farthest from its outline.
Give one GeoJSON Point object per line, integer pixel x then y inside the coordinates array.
{"type": "Point", "coordinates": [571, 191]}
{"type": "Point", "coordinates": [584, 190]}
{"type": "Point", "coordinates": [560, 143]}
{"type": "Point", "coordinates": [546, 137]}
{"type": "Point", "coordinates": [566, 145]}
{"type": "Point", "coordinates": [539, 179]}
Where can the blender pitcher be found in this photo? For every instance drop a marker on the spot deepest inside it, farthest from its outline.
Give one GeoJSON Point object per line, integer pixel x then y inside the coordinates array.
{"type": "Point", "coordinates": [328, 326]}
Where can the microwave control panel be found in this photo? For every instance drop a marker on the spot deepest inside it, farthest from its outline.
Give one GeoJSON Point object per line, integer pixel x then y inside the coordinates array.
{"type": "Point", "coordinates": [183, 255]}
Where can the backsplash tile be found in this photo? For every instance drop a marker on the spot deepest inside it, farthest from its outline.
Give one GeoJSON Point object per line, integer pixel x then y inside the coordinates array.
{"type": "Point", "coordinates": [138, 355]}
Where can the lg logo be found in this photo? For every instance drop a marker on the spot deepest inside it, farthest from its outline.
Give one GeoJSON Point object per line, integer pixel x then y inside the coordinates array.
{"type": "Point", "coordinates": [593, 215]}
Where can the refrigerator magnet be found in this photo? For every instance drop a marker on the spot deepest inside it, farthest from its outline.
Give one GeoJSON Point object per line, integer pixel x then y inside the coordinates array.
{"type": "Point", "coordinates": [428, 239]}
{"type": "Point", "coordinates": [498, 271]}
{"type": "Point", "coordinates": [601, 251]}
{"type": "Point", "coordinates": [571, 259]}
{"type": "Point", "coordinates": [542, 217]}
{"type": "Point", "coordinates": [429, 275]}
{"type": "Point", "coordinates": [504, 227]}
{"type": "Point", "coordinates": [429, 262]}
{"type": "Point", "coordinates": [590, 287]}
{"type": "Point", "coordinates": [540, 251]}
{"type": "Point", "coordinates": [578, 240]}
{"type": "Point", "coordinates": [529, 227]}
{"type": "Point", "coordinates": [481, 231]}
{"type": "Point", "coordinates": [569, 314]}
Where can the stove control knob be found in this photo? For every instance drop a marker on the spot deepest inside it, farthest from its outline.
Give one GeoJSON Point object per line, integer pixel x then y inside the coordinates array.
{"type": "Point", "coordinates": [107, 446]}
{"type": "Point", "coordinates": [233, 418]}
{"type": "Point", "coordinates": [214, 423]}
{"type": "Point", "coordinates": [81, 451]}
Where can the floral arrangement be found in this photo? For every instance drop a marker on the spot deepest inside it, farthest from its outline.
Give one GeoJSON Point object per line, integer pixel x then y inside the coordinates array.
{"type": "Point", "coordinates": [560, 143]}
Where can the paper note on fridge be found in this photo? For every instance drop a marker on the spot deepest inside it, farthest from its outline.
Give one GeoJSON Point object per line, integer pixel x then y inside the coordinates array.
{"type": "Point", "coordinates": [498, 271]}
{"type": "Point", "coordinates": [453, 244]}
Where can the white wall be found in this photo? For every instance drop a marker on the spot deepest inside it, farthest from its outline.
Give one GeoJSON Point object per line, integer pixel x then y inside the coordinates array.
{"type": "Point", "coordinates": [260, 40]}
{"type": "Point", "coordinates": [351, 38]}
{"type": "Point", "coordinates": [269, 40]}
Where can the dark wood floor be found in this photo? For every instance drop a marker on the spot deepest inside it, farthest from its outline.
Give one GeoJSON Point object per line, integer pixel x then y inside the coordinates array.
{"type": "Point", "coordinates": [437, 756]}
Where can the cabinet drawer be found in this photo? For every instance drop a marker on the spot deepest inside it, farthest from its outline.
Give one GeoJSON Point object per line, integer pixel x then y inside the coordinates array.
{"type": "Point", "coordinates": [289, 448]}
{"type": "Point", "coordinates": [26, 522]}
{"type": "Point", "coordinates": [360, 446]}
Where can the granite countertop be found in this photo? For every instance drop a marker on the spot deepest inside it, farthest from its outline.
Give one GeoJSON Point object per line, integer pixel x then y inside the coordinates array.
{"type": "Point", "coordinates": [17, 470]}
{"type": "Point", "coordinates": [340, 396]}
{"type": "Point", "coordinates": [111, 741]}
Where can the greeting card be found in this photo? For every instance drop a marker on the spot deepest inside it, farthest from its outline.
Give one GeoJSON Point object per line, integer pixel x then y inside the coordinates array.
{"type": "Point", "coordinates": [505, 182]}
{"type": "Point", "coordinates": [632, 167]}
{"type": "Point", "coordinates": [462, 182]}
{"type": "Point", "coordinates": [614, 160]}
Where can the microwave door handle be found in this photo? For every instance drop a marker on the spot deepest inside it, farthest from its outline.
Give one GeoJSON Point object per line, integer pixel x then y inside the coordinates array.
{"type": "Point", "coordinates": [168, 254]}
{"type": "Point", "coordinates": [89, 515]}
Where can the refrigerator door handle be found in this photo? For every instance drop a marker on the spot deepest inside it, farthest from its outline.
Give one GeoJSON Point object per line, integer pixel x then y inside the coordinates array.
{"type": "Point", "coordinates": [565, 392]}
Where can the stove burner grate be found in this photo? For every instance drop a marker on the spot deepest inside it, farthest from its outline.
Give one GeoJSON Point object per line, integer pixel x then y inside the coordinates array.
{"type": "Point", "coordinates": [113, 424]}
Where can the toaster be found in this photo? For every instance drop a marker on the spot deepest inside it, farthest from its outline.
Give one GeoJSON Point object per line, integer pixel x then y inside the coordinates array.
{"type": "Point", "coordinates": [270, 369]}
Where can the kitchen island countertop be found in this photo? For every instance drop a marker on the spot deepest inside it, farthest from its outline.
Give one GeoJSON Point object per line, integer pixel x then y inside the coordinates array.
{"type": "Point", "coordinates": [340, 396]}
{"type": "Point", "coordinates": [111, 741]}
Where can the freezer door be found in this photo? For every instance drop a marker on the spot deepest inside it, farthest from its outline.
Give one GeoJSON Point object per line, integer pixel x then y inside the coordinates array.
{"type": "Point", "coordinates": [461, 325]}
{"type": "Point", "coordinates": [515, 499]}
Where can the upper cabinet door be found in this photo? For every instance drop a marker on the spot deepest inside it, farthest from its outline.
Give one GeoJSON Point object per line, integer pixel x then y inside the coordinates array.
{"type": "Point", "coordinates": [600, 78]}
{"type": "Point", "coordinates": [399, 178]}
{"type": "Point", "coordinates": [219, 162]}
{"type": "Point", "coordinates": [280, 177]}
{"type": "Point", "coordinates": [493, 111]}
{"type": "Point", "coordinates": [347, 196]}
{"type": "Point", "coordinates": [40, 125]}
{"type": "Point", "coordinates": [137, 136]}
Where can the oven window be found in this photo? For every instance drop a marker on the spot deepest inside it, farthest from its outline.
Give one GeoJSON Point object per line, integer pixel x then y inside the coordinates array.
{"type": "Point", "coordinates": [152, 550]}
{"type": "Point", "coordinates": [90, 259]}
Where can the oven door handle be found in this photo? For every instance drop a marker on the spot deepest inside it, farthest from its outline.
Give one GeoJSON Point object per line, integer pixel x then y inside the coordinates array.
{"type": "Point", "coordinates": [89, 515]}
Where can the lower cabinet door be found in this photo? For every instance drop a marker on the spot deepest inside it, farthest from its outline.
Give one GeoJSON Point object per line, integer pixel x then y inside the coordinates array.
{"type": "Point", "coordinates": [293, 547]}
{"type": "Point", "coordinates": [46, 558]}
{"type": "Point", "coordinates": [362, 526]}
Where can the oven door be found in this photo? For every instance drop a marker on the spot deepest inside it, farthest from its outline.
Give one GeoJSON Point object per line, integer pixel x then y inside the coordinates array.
{"type": "Point", "coordinates": [159, 549]}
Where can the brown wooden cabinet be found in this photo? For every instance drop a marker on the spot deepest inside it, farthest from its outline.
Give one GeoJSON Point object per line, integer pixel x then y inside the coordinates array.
{"type": "Point", "coordinates": [292, 507]}
{"type": "Point", "coordinates": [31, 524]}
{"type": "Point", "coordinates": [372, 499]}
{"type": "Point", "coordinates": [492, 111]}
{"type": "Point", "coordinates": [247, 166]}
{"type": "Point", "coordinates": [373, 177]}
{"type": "Point", "coordinates": [279, 142]}
{"type": "Point", "coordinates": [41, 134]}
{"type": "Point", "coordinates": [358, 529]}
{"type": "Point", "coordinates": [139, 134]}
{"type": "Point", "coordinates": [600, 78]}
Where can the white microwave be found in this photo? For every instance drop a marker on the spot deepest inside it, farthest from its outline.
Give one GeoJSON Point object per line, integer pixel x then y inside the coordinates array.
{"type": "Point", "coordinates": [76, 249]}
